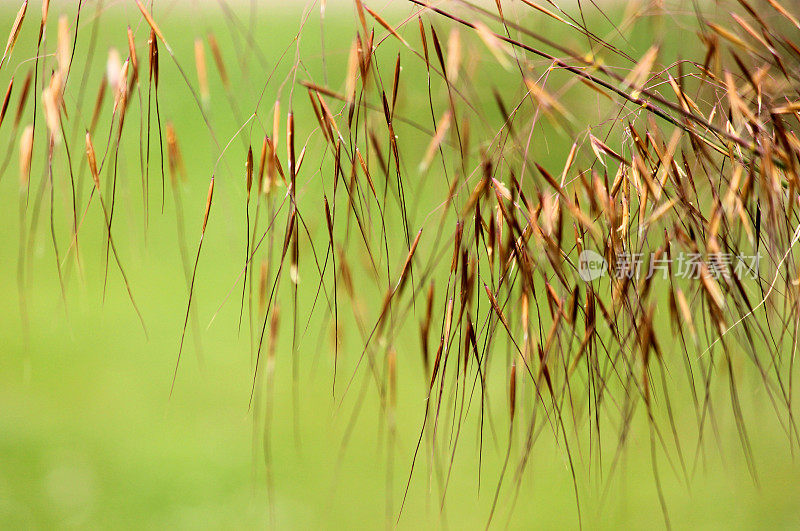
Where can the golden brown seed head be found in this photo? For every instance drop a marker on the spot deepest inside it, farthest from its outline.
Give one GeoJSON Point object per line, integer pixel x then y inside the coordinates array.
{"type": "Point", "coordinates": [153, 55]}
{"type": "Point", "coordinates": [132, 51]}
{"type": "Point", "coordinates": [25, 155]}
{"type": "Point", "coordinates": [14, 34]}
{"type": "Point", "coordinates": [63, 51]}
{"type": "Point", "coordinates": [248, 169]}
{"type": "Point", "coordinates": [202, 72]}
{"type": "Point", "coordinates": [90, 156]}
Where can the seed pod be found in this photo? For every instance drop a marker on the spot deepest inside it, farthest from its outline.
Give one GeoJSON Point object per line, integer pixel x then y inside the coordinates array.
{"type": "Point", "coordinates": [248, 169]}
{"type": "Point", "coordinates": [25, 155]}
{"type": "Point", "coordinates": [424, 42]}
{"type": "Point", "coordinates": [262, 163]}
{"type": "Point", "coordinates": [448, 322]}
{"type": "Point", "coordinates": [51, 99]}
{"type": "Point", "coordinates": [92, 161]}
{"type": "Point", "coordinates": [274, 328]}
{"type": "Point", "coordinates": [23, 97]}
{"type": "Point", "coordinates": [132, 53]}
{"type": "Point", "coordinates": [457, 245]}
{"type": "Point", "coordinates": [469, 341]}
{"type": "Point", "coordinates": [6, 100]}
{"type": "Point", "coordinates": [45, 10]}
{"type": "Point", "coordinates": [352, 73]}
{"type": "Point", "coordinates": [217, 55]}
{"type": "Point", "coordinates": [98, 103]}
{"type": "Point", "coordinates": [155, 31]}
{"type": "Point", "coordinates": [121, 92]}
{"type": "Point", "coordinates": [202, 73]}
{"type": "Point", "coordinates": [396, 83]}
{"type": "Point", "coordinates": [63, 50]}
{"type": "Point", "coordinates": [14, 34]}
{"type": "Point", "coordinates": [276, 124]}
{"type": "Point", "coordinates": [113, 67]}
{"type": "Point", "coordinates": [328, 220]}
{"type": "Point", "coordinates": [271, 178]}
{"type": "Point", "coordinates": [176, 167]}
{"type": "Point", "coordinates": [153, 65]}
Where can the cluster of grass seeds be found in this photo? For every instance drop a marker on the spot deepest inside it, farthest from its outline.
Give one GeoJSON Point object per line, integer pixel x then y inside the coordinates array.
{"type": "Point", "coordinates": [425, 219]}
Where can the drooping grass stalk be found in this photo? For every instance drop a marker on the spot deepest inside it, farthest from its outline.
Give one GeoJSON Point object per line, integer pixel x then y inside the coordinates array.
{"type": "Point", "coordinates": [454, 148]}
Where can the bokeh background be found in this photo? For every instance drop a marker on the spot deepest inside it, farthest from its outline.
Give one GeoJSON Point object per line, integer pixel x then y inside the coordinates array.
{"type": "Point", "coordinates": [89, 434]}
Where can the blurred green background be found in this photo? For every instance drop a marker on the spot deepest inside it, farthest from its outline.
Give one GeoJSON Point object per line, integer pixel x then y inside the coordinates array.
{"type": "Point", "coordinates": [89, 435]}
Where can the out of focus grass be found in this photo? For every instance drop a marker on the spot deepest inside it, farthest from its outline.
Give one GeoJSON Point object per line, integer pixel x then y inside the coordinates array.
{"type": "Point", "coordinates": [89, 436]}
